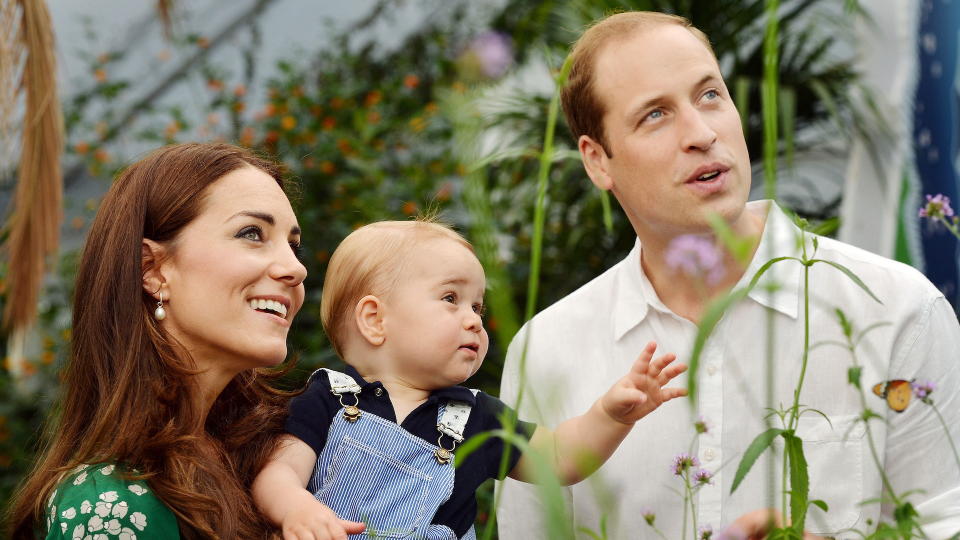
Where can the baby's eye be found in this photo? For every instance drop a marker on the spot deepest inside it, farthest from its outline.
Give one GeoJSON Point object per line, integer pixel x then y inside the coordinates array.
{"type": "Point", "coordinates": [479, 309]}
{"type": "Point", "coordinates": [450, 297]}
{"type": "Point", "coordinates": [251, 233]}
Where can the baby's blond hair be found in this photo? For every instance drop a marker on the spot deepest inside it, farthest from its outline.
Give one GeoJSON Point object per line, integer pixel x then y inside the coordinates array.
{"type": "Point", "coordinates": [370, 261]}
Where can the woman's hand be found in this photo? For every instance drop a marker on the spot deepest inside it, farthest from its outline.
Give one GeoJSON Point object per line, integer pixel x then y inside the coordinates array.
{"type": "Point", "coordinates": [309, 519]}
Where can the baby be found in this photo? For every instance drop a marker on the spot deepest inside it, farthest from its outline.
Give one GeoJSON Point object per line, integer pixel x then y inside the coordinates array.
{"type": "Point", "coordinates": [375, 446]}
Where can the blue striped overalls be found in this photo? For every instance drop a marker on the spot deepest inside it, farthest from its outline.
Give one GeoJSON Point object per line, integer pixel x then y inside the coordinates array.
{"type": "Point", "coordinates": [372, 470]}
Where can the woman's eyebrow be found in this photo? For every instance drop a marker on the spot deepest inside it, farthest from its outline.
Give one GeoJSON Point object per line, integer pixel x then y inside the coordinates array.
{"type": "Point", "coordinates": [262, 216]}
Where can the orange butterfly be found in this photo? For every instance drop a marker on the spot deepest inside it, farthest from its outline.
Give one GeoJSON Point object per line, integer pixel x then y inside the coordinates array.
{"type": "Point", "coordinates": [897, 393]}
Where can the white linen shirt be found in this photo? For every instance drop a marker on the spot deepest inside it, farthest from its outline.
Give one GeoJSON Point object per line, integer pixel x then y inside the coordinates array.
{"type": "Point", "coordinates": [583, 344]}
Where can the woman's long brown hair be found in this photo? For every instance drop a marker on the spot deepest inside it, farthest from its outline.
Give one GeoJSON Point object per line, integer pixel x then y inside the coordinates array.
{"type": "Point", "coordinates": [129, 392]}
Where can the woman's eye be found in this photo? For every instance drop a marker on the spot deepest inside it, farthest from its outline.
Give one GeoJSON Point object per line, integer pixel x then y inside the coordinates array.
{"type": "Point", "coordinates": [297, 249]}
{"type": "Point", "coordinates": [251, 233]}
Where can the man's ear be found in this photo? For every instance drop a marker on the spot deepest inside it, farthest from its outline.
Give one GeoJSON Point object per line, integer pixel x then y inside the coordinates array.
{"type": "Point", "coordinates": [596, 162]}
{"type": "Point", "coordinates": [369, 316]}
{"type": "Point", "coordinates": [152, 268]}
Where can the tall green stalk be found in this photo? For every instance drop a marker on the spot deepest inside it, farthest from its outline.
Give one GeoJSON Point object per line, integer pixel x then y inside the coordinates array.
{"type": "Point", "coordinates": [769, 90]}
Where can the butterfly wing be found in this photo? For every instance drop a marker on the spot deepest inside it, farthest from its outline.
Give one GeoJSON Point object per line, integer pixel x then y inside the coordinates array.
{"type": "Point", "coordinates": [879, 389]}
{"type": "Point", "coordinates": [898, 394]}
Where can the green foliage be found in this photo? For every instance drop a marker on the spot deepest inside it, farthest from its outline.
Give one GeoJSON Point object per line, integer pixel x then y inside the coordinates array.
{"type": "Point", "coordinates": [754, 451]}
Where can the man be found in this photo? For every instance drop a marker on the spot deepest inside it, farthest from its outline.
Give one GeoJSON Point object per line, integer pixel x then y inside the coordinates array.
{"type": "Point", "coordinates": [657, 127]}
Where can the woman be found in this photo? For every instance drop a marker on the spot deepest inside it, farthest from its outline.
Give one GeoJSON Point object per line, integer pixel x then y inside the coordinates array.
{"type": "Point", "coordinates": [186, 289]}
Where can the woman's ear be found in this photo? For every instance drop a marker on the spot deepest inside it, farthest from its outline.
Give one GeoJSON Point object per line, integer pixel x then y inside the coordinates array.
{"type": "Point", "coordinates": [151, 268]}
{"type": "Point", "coordinates": [369, 316]}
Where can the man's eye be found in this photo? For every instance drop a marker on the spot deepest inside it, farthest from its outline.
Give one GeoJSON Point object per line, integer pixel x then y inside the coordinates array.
{"type": "Point", "coordinates": [711, 95]}
{"type": "Point", "coordinates": [655, 114]}
{"type": "Point", "coordinates": [251, 233]}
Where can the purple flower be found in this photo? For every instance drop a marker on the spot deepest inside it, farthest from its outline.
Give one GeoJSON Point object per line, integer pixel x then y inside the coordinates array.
{"type": "Point", "coordinates": [702, 478]}
{"type": "Point", "coordinates": [649, 516]}
{"type": "Point", "coordinates": [922, 389]}
{"type": "Point", "coordinates": [683, 462]}
{"type": "Point", "coordinates": [696, 257]}
{"type": "Point", "coordinates": [706, 532]}
{"type": "Point", "coordinates": [494, 52]}
{"type": "Point", "coordinates": [937, 208]}
{"type": "Point", "coordinates": [702, 425]}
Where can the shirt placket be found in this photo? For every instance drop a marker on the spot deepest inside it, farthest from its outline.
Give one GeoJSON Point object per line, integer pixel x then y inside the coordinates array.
{"type": "Point", "coordinates": [710, 406]}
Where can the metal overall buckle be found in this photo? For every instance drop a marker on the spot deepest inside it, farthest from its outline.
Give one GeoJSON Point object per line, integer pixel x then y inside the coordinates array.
{"type": "Point", "coordinates": [351, 412]}
{"type": "Point", "coordinates": [442, 454]}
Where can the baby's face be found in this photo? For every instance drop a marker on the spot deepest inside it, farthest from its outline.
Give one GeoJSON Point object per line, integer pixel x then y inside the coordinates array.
{"type": "Point", "coordinates": [434, 332]}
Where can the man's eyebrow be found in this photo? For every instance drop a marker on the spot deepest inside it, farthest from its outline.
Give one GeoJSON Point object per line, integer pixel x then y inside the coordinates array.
{"type": "Point", "coordinates": [265, 217]}
{"type": "Point", "coordinates": [633, 116]}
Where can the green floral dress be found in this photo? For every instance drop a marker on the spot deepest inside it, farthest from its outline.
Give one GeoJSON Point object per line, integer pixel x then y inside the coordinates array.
{"type": "Point", "coordinates": [94, 503]}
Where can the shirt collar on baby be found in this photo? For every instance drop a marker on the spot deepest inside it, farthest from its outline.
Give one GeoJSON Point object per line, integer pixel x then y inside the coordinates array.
{"type": "Point", "coordinates": [636, 296]}
{"type": "Point", "coordinates": [455, 393]}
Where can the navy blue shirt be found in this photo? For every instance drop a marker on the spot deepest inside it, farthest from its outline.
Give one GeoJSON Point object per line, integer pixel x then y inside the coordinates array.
{"type": "Point", "coordinates": [312, 412]}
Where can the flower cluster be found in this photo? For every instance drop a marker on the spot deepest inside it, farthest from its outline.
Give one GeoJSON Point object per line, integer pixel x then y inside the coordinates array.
{"type": "Point", "coordinates": [649, 516]}
{"type": "Point", "coordinates": [702, 425]}
{"type": "Point", "coordinates": [702, 477]}
{"type": "Point", "coordinates": [697, 257]}
{"type": "Point", "coordinates": [922, 389]}
{"type": "Point", "coordinates": [683, 462]}
{"type": "Point", "coordinates": [937, 208]}
{"type": "Point", "coordinates": [706, 532]}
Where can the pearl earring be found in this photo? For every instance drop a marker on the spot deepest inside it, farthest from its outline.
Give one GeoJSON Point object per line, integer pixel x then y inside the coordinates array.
{"type": "Point", "coordinates": [160, 314]}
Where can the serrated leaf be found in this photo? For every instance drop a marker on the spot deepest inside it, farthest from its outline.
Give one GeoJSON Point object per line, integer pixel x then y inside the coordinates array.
{"type": "Point", "coordinates": [799, 480]}
{"type": "Point", "coordinates": [850, 275]}
{"type": "Point", "coordinates": [708, 321]}
{"type": "Point", "coordinates": [756, 448]}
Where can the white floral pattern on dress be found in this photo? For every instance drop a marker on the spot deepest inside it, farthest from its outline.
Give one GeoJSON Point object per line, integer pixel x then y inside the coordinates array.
{"type": "Point", "coordinates": [87, 513]}
{"type": "Point", "coordinates": [139, 520]}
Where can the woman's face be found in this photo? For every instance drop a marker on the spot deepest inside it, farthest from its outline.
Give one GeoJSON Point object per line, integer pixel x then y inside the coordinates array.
{"type": "Point", "coordinates": [233, 281]}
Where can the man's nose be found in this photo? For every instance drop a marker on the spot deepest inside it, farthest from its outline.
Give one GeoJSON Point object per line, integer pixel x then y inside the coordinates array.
{"type": "Point", "coordinates": [697, 133]}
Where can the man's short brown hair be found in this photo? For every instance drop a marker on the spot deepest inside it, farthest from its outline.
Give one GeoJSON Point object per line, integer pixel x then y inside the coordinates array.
{"type": "Point", "coordinates": [581, 105]}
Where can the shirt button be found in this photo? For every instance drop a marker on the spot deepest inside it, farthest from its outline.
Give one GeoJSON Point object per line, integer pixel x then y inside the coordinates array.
{"type": "Point", "coordinates": [708, 455]}
{"type": "Point", "coordinates": [378, 392]}
{"type": "Point", "coordinates": [711, 369]}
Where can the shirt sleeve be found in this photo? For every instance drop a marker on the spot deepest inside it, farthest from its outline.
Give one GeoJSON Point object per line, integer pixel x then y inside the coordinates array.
{"type": "Point", "coordinates": [95, 502]}
{"type": "Point", "coordinates": [310, 414]}
{"type": "Point", "coordinates": [919, 452]}
{"type": "Point", "coordinates": [493, 411]}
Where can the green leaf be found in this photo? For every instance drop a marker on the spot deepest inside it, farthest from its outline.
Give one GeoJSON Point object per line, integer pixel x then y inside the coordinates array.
{"type": "Point", "coordinates": [844, 323]}
{"type": "Point", "coordinates": [763, 269]}
{"type": "Point", "coordinates": [607, 212]}
{"type": "Point", "coordinates": [470, 446]}
{"type": "Point", "coordinates": [850, 275]}
{"type": "Point", "coordinates": [756, 448]}
{"type": "Point", "coordinates": [799, 480]}
{"type": "Point", "coordinates": [853, 375]}
{"type": "Point", "coordinates": [820, 504]}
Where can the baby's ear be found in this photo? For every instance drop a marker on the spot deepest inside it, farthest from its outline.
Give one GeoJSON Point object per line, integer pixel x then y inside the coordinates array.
{"type": "Point", "coordinates": [369, 318]}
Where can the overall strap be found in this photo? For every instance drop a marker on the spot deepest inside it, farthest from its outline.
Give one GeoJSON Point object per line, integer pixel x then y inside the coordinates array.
{"type": "Point", "coordinates": [452, 418]}
{"type": "Point", "coordinates": [341, 383]}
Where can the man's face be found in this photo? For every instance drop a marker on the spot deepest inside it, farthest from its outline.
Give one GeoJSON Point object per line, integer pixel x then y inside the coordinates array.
{"type": "Point", "coordinates": [678, 151]}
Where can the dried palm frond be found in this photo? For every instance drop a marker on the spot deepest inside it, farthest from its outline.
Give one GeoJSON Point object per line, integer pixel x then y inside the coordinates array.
{"type": "Point", "coordinates": [11, 65]}
{"type": "Point", "coordinates": [34, 226]}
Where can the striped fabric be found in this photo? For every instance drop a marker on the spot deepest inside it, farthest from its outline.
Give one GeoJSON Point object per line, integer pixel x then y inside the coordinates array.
{"type": "Point", "coordinates": [376, 472]}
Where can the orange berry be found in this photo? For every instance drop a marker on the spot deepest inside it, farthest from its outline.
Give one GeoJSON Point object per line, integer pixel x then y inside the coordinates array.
{"type": "Point", "coordinates": [411, 81]}
{"type": "Point", "coordinates": [100, 75]}
{"type": "Point", "coordinates": [81, 148]}
{"type": "Point", "coordinates": [288, 122]}
{"type": "Point", "coordinates": [327, 167]}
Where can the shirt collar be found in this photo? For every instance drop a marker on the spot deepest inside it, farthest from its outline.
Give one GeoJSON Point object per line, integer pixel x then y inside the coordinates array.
{"type": "Point", "coordinates": [455, 393]}
{"type": "Point", "coordinates": [635, 294]}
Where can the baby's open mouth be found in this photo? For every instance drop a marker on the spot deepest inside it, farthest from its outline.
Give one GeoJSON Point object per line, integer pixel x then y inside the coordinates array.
{"type": "Point", "coordinates": [269, 306]}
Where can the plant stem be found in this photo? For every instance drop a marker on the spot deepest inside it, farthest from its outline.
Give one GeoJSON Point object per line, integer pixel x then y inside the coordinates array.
{"type": "Point", "coordinates": [947, 431]}
{"type": "Point", "coordinates": [769, 90]}
{"type": "Point", "coordinates": [693, 508]}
